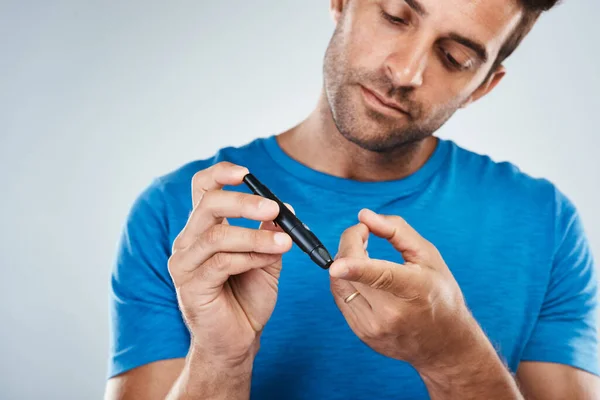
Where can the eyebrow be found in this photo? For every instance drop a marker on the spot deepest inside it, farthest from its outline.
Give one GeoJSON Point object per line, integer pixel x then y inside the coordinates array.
{"type": "Point", "coordinates": [478, 48]}
{"type": "Point", "coordinates": [417, 7]}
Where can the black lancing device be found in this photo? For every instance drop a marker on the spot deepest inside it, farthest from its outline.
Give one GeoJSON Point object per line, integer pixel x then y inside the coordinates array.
{"type": "Point", "coordinates": [290, 224]}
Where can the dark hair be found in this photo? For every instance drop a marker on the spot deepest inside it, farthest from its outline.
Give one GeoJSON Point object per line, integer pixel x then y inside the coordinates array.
{"type": "Point", "coordinates": [532, 10]}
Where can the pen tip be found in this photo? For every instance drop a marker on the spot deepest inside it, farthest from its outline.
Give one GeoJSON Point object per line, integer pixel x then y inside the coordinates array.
{"type": "Point", "coordinates": [321, 257]}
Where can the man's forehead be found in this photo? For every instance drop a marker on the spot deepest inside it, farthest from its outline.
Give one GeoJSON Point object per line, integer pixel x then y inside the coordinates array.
{"type": "Point", "coordinates": [488, 21]}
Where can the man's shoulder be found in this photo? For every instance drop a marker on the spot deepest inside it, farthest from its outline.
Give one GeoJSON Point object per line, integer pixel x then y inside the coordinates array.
{"type": "Point", "coordinates": [503, 181]}
{"type": "Point", "coordinates": [170, 193]}
{"type": "Point", "coordinates": [180, 178]}
{"type": "Point", "coordinates": [499, 192]}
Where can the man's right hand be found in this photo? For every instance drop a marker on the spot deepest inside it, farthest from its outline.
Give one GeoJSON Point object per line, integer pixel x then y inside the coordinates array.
{"type": "Point", "coordinates": [226, 277]}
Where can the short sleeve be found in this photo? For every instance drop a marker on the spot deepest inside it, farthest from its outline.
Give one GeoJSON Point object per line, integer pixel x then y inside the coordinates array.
{"type": "Point", "coordinates": [567, 328]}
{"type": "Point", "coordinates": [145, 322]}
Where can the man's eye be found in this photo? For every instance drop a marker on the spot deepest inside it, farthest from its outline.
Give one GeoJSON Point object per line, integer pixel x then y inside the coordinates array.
{"type": "Point", "coordinates": [393, 19]}
{"type": "Point", "coordinates": [454, 63]}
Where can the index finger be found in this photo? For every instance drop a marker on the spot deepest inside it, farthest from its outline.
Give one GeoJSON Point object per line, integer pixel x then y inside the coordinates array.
{"type": "Point", "coordinates": [211, 178]}
{"type": "Point", "coordinates": [215, 177]}
{"type": "Point", "coordinates": [399, 233]}
{"type": "Point", "coordinates": [353, 241]}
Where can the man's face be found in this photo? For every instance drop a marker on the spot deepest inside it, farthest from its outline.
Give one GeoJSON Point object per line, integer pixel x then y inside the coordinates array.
{"type": "Point", "coordinates": [425, 57]}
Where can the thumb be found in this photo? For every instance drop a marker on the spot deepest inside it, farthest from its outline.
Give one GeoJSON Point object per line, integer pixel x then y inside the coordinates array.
{"type": "Point", "coordinates": [377, 274]}
{"type": "Point", "coordinates": [270, 225]}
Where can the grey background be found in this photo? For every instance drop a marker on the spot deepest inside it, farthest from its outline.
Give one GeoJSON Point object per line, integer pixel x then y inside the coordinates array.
{"type": "Point", "coordinates": [97, 97]}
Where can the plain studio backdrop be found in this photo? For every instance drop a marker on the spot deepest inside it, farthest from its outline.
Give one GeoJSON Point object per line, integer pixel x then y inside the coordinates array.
{"type": "Point", "coordinates": [99, 97]}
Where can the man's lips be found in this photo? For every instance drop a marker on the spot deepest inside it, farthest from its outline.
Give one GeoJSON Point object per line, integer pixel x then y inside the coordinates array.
{"type": "Point", "coordinates": [381, 101]}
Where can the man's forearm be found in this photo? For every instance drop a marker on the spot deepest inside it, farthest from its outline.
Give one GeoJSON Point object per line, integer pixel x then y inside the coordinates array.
{"type": "Point", "coordinates": [202, 379]}
{"type": "Point", "coordinates": [476, 372]}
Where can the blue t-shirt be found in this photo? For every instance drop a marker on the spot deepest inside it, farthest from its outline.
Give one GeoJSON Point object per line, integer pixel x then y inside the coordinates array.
{"type": "Point", "coordinates": [514, 243]}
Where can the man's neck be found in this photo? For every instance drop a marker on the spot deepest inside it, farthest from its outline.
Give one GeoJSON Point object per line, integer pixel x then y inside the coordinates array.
{"type": "Point", "coordinates": [317, 143]}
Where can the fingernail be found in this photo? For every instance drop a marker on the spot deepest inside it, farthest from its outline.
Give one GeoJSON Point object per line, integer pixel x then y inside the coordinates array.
{"type": "Point", "coordinates": [281, 238]}
{"type": "Point", "coordinates": [267, 204]}
{"type": "Point", "coordinates": [368, 211]}
{"type": "Point", "coordinates": [242, 171]}
{"type": "Point", "coordinates": [374, 213]}
{"type": "Point", "coordinates": [378, 217]}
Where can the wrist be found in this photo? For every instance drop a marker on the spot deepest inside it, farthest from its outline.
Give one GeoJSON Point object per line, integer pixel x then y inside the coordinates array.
{"type": "Point", "coordinates": [468, 345]}
{"type": "Point", "coordinates": [469, 369]}
{"type": "Point", "coordinates": [237, 367]}
{"type": "Point", "coordinates": [463, 361]}
{"type": "Point", "coordinates": [212, 378]}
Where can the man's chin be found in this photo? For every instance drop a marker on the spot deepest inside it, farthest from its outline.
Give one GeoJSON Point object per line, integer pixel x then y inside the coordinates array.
{"type": "Point", "coordinates": [376, 144]}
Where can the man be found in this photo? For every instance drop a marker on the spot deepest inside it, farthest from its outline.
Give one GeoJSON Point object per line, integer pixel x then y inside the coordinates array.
{"type": "Point", "coordinates": [455, 277]}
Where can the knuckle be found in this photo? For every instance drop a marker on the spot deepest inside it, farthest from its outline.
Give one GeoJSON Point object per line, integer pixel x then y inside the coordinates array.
{"type": "Point", "coordinates": [178, 242]}
{"type": "Point", "coordinates": [245, 201]}
{"type": "Point", "coordinates": [209, 202]}
{"type": "Point", "coordinates": [173, 262]}
{"type": "Point", "coordinates": [214, 235]}
{"type": "Point", "coordinates": [221, 168]}
{"type": "Point", "coordinates": [383, 280]}
{"type": "Point", "coordinates": [186, 297]}
{"type": "Point", "coordinates": [198, 176]}
{"type": "Point", "coordinates": [258, 240]}
{"type": "Point", "coordinates": [398, 220]}
{"type": "Point", "coordinates": [429, 251]}
{"type": "Point", "coordinates": [223, 165]}
{"type": "Point", "coordinates": [391, 317]}
{"type": "Point", "coordinates": [376, 329]}
{"type": "Point", "coordinates": [386, 321]}
{"type": "Point", "coordinates": [222, 260]}
{"type": "Point", "coordinates": [199, 186]}
{"type": "Point", "coordinates": [254, 258]}
{"type": "Point", "coordinates": [199, 179]}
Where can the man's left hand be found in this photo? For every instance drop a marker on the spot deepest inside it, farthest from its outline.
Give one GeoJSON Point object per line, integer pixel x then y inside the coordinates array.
{"type": "Point", "coordinates": [414, 311]}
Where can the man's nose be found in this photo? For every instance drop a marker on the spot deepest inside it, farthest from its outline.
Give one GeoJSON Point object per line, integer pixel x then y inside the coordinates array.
{"type": "Point", "coordinates": [405, 67]}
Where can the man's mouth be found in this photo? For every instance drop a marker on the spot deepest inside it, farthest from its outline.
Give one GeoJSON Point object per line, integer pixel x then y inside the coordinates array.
{"type": "Point", "coordinates": [381, 102]}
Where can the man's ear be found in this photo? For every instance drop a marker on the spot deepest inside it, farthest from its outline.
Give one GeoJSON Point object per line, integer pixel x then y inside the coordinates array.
{"type": "Point", "coordinates": [487, 86]}
{"type": "Point", "coordinates": [335, 8]}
